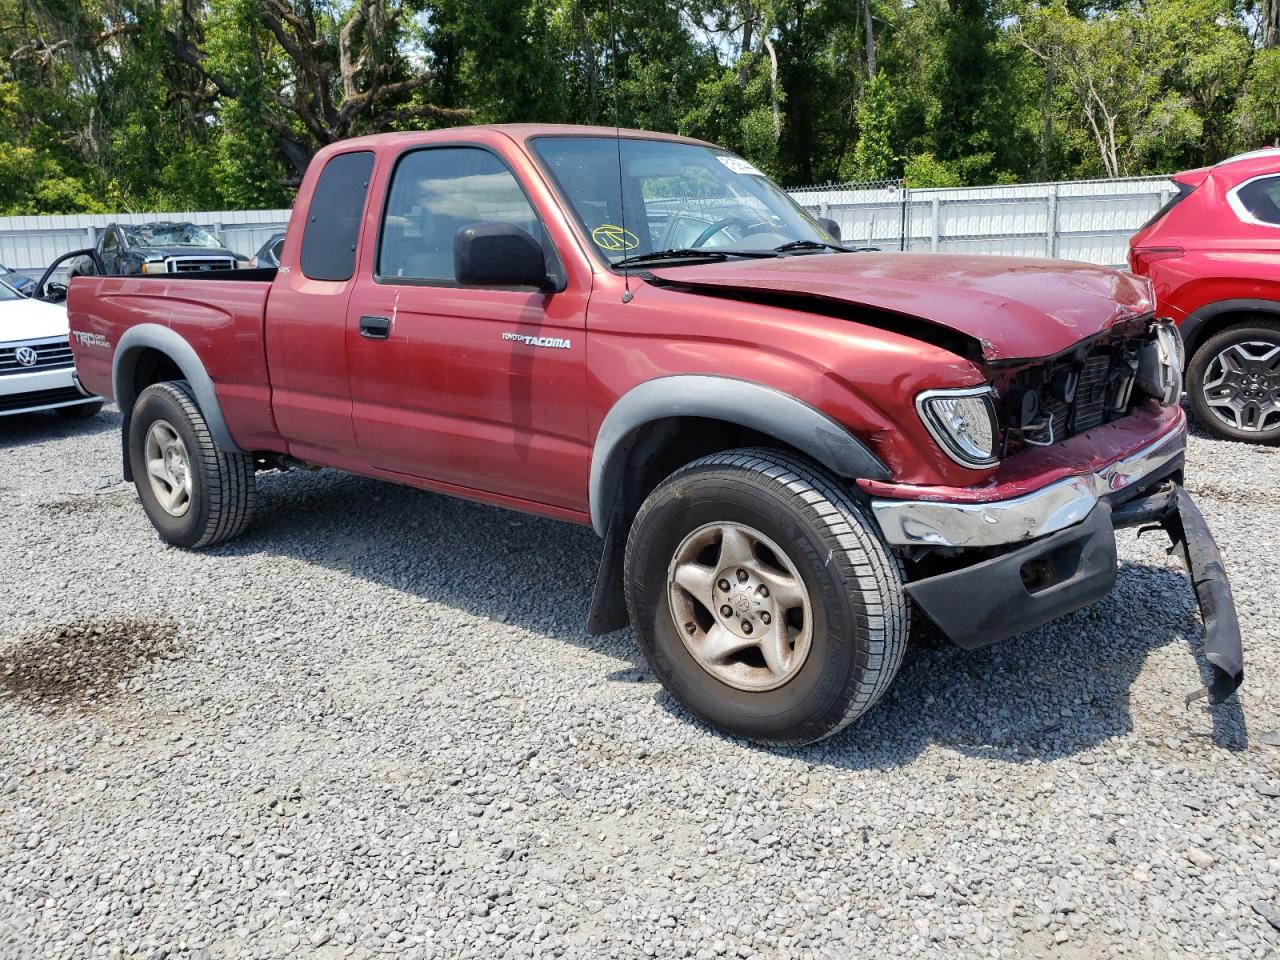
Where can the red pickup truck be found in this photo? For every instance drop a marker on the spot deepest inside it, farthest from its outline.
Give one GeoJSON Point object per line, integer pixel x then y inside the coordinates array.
{"type": "Point", "coordinates": [789, 448]}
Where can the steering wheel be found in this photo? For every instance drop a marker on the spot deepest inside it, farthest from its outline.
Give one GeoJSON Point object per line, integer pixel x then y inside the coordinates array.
{"type": "Point", "coordinates": [715, 228]}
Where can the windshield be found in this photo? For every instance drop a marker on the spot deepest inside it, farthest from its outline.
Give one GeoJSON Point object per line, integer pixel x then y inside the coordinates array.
{"type": "Point", "coordinates": [678, 196]}
{"type": "Point", "coordinates": [168, 235]}
{"type": "Point", "coordinates": [8, 293]}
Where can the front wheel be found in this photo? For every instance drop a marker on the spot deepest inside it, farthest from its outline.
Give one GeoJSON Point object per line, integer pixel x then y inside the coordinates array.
{"type": "Point", "coordinates": [194, 494]}
{"type": "Point", "coordinates": [763, 598]}
{"type": "Point", "coordinates": [1233, 383]}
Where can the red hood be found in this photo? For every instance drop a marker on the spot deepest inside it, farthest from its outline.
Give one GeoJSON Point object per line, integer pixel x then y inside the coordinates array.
{"type": "Point", "coordinates": [1016, 308]}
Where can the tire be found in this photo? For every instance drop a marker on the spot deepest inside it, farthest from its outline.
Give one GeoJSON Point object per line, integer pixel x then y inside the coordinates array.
{"type": "Point", "coordinates": [81, 411]}
{"type": "Point", "coordinates": [220, 494]}
{"type": "Point", "coordinates": [1244, 341]}
{"type": "Point", "coordinates": [855, 625]}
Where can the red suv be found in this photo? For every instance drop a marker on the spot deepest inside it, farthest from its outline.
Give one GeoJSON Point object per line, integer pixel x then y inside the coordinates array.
{"type": "Point", "coordinates": [1213, 254]}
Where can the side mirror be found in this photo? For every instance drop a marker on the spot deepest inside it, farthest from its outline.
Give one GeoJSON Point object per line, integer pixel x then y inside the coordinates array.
{"type": "Point", "coordinates": [46, 290]}
{"type": "Point", "coordinates": [829, 225]}
{"type": "Point", "coordinates": [494, 254]}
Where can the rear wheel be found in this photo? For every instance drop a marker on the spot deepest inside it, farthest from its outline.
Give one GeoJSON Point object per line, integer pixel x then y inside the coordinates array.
{"type": "Point", "coordinates": [1233, 383]}
{"type": "Point", "coordinates": [763, 599]}
{"type": "Point", "coordinates": [81, 411]}
{"type": "Point", "coordinates": [194, 494]}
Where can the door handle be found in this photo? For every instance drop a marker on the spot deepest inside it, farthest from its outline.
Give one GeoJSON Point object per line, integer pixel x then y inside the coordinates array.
{"type": "Point", "coordinates": [375, 328]}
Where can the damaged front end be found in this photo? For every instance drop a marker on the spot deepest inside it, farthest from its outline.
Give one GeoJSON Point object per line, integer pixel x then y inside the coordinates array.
{"type": "Point", "coordinates": [1077, 463]}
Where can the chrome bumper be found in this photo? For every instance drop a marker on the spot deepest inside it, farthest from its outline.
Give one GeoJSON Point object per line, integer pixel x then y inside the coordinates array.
{"type": "Point", "coordinates": [933, 523]}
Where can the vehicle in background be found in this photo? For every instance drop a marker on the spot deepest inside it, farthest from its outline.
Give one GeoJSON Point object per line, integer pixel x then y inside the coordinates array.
{"type": "Point", "coordinates": [268, 254]}
{"type": "Point", "coordinates": [37, 371]}
{"type": "Point", "coordinates": [786, 446]}
{"type": "Point", "coordinates": [18, 281]}
{"type": "Point", "coordinates": [126, 249]}
{"type": "Point", "coordinates": [1213, 255]}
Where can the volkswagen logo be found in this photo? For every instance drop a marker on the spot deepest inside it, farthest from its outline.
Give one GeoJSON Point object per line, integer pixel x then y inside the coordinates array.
{"type": "Point", "coordinates": [26, 356]}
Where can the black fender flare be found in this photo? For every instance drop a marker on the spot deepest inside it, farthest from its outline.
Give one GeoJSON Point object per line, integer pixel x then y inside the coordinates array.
{"type": "Point", "coordinates": [1191, 326]}
{"type": "Point", "coordinates": [740, 402]}
{"type": "Point", "coordinates": [156, 337]}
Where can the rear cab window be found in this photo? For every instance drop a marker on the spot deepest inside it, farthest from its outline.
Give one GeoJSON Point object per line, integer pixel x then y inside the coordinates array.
{"type": "Point", "coordinates": [333, 218]}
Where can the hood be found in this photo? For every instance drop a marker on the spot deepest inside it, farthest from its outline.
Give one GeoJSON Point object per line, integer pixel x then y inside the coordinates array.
{"type": "Point", "coordinates": [1014, 308]}
{"type": "Point", "coordinates": [31, 320]}
{"type": "Point", "coordinates": [159, 253]}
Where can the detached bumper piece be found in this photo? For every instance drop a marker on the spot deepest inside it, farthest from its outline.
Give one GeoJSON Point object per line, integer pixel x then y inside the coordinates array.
{"type": "Point", "coordinates": [1223, 647]}
{"type": "Point", "coordinates": [1028, 586]}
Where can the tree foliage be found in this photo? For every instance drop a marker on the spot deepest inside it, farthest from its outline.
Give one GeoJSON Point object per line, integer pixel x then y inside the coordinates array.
{"type": "Point", "coordinates": [181, 104]}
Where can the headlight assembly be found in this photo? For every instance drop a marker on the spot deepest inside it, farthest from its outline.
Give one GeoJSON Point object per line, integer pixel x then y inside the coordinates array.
{"type": "Point", "coordinates": [963, 422]}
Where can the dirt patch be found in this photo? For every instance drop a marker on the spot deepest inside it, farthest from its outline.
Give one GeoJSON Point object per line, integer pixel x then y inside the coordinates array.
{"type": "Point", "coordinates": [78, 666]}
{"type": "Point", "coordinates": [84, 503]}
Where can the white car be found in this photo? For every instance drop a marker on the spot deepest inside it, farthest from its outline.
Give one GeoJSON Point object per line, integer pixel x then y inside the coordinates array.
{"type": "Point", "coordinates": [36, 368]}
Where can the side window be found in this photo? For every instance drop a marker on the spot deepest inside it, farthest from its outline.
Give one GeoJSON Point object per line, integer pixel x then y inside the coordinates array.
{"type": "Point", "coordinates": [1261, 199]}
{"type": "Point", "coordinates": [333, 221]}
{"type": "Point", "coordinates": [434, 194]}
{"type": "Point", "coordinates": [109, 239]}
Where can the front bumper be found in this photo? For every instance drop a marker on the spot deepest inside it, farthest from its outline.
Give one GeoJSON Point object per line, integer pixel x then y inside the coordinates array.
{"type": "Point", "coordinates": [41, 390]}
{"type": "Point", "coordinates": [1053, 551]}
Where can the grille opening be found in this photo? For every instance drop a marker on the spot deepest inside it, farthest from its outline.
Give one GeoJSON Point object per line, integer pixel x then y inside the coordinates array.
{"type": "Point", "coordinates": [1048, 403]}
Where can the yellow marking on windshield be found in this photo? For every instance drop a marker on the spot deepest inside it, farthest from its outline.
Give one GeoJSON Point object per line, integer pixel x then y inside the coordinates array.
{"type": "Point", "coordinates": [611, 237]}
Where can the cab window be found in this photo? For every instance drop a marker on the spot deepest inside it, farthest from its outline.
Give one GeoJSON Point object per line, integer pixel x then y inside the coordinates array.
{"type": "Point", "coordinates": [438, 191]}
{"type": "Point", "coordinates": [333, 221]}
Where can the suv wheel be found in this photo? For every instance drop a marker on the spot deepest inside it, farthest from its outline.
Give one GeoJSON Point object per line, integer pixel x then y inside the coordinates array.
{"type": "Point", "coordinates": [194, 494]}
{"type": "Point", "coordinates": [763, 599]}
{"type": "Point", "coordinates": [1233, 383]}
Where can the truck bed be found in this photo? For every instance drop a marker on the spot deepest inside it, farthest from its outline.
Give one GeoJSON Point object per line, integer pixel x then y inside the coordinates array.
{"type": "Point", "coordinates": [220, 314]}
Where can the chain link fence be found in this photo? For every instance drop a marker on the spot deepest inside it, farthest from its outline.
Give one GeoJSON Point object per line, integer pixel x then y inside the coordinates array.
{"type": "Point", "coordinates": [1089, 220]}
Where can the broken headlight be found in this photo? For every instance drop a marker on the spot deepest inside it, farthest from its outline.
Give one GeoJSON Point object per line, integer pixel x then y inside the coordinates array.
{"type": "Point", "coordinates": [963, 422]}
{"type": "Point", "coordinates": [1160, 364]}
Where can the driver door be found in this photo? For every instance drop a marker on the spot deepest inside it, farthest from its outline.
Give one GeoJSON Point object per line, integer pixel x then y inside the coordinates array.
{"type": "Point", "coordinates": [477, 389]}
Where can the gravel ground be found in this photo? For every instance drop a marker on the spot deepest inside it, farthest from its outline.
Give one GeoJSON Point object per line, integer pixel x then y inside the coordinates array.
{"type": "Point", "coordinates": [374, 726]}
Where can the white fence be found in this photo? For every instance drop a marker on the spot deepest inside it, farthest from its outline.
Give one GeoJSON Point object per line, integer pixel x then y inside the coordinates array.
{"type": "Point", "coordinates": [29, 244]}
{"type": "Point", "coordinates": [1087, 220]}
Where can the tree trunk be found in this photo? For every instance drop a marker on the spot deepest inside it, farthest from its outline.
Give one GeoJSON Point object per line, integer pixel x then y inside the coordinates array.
{"type": "Point", "coordinates": [1269, 17]}
{"type": "Point", "coordinates": [870, 30]}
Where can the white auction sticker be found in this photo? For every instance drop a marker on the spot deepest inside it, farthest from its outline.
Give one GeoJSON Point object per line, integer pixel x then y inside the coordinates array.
{"type": "Point", "coordinates": [738, 165]}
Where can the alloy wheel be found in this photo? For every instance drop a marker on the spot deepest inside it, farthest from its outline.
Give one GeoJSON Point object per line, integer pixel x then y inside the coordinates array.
{"type": "Point", "coordinates": [1242, 385]}
{"type": "Point", "coordinates": [740, 605]}
{"type": "Point", "coordinates": [168, 468]}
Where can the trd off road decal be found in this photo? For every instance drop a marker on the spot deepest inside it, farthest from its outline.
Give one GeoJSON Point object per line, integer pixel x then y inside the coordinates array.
{"type": "Point", "coordinates": [91, 339]}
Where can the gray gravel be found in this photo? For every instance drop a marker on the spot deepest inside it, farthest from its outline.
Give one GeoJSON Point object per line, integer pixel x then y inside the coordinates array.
{"type": "Point", "coordinates": [374, 726]}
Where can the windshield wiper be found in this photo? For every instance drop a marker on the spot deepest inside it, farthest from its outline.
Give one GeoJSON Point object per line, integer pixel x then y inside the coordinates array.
{"type": "Point", "coordinates": [659, 255]}
{"type": "Point", "coordinates": [810, 245]}
{"type": "Point", "coordinates": [714, 256]}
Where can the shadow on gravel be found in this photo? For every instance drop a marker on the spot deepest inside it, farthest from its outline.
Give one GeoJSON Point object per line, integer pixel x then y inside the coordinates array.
{"type": "Point", "coordinates": [78, 666]}
{"type": "Point", "coordinates": [24, 428]}
{"type": "Point", "coordinates": [1005, 702]}
{"type": "Point", "coordinates": [1051, 693]}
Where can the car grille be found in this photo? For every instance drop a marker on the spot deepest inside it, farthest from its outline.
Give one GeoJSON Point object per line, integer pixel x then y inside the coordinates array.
{"type": "Point", "coordinates": [199, 264]}
{"type": "Point", "coordinates": [40, 398]}
{"type": "Point", "coordinates": [50, 355]}
{"type": "Point", "coordinates": [1071, 396]}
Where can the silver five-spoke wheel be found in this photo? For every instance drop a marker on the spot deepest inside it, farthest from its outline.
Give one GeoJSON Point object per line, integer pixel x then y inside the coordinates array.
{"type": "Point", "coordinates": [168, 468]}
{"type": "Point", "coordinates": [1242, 385]}
{"type": "Point", "coordinates": [740, 605]}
